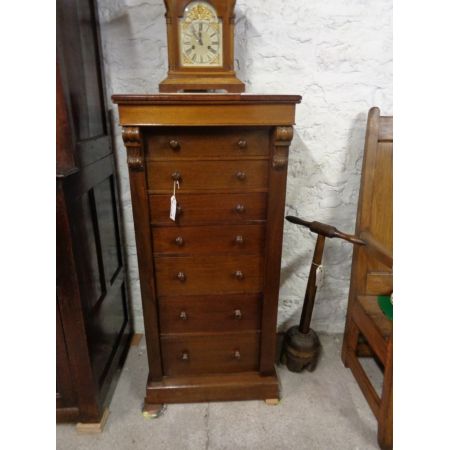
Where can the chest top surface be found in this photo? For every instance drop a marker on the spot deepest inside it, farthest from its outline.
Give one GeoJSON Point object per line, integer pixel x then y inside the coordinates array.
{"type": "Point", "coordinates": [206, 109]}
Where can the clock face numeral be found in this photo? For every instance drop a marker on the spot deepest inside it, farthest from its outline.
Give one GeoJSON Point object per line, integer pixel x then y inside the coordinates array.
{"type": "Point", "coordinates": [200, 36]}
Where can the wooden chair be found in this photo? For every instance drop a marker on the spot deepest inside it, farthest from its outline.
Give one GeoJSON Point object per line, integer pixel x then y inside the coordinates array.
{"type": "Point", "coordinates": [368, 332]}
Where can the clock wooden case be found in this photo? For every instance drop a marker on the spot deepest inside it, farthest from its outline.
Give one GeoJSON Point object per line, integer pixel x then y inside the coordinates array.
{"type": "Point", "coordinates": [200, 41]}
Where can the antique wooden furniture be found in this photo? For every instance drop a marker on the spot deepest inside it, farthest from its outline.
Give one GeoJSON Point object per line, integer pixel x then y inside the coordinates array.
{"type": "Point", "coordinates": [92, 317]}
{"type": "Point", "coordinates": [200, 44]}
{"type": "Point", "coordinates": [209, 279]}
{"type": "Point", "coordinates": [368, 331]}
{"type": "Point", "coordinates": [301, 346]}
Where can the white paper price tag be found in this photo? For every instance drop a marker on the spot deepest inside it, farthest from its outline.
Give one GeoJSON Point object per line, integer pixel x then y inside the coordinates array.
{"type": "Point", "coordinates": [173, 208]}
{"type": "Point", "coordinates": [173, 202]}
{"type": "Point", "coordinates": [319, 275]}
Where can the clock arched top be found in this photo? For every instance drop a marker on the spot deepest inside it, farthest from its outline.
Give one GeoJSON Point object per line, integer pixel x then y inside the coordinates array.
{"type": "Point", "coordinates": [223, 9]}
{"type": "Point", "coordinates": [200, 10]}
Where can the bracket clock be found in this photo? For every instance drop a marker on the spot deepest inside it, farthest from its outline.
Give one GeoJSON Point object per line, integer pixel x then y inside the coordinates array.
{"type": "Point", "coordinates": [200, 41]}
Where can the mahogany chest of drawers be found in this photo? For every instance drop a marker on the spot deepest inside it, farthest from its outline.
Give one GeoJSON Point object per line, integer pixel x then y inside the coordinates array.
{"type": "Point", "coordinates": [209, 278]}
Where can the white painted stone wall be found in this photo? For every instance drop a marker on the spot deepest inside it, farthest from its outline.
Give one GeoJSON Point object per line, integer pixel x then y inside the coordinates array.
{"type": "Point", "coordinates": [338, 56]}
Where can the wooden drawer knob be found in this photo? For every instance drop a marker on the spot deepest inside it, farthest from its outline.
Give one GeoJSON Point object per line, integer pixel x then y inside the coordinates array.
{"type": "Point", "coordinates": [241, 176]}
{"type": "Point", "coordinates": [239, 275]}
{"type": "Point", "coordinates": [242, 143]}
{"type": "Point", "coordinates": [176, 176]}
{"type": "Point", "coordinates": [179, 210]}
{"type": "Point", "coordinates": [174, 144]}
{"type": "Point", "coordinates": [185, 355]}
{"type": "Point", "coordinates": [237, 314]}
{"type": "Point", "coordinates": [181, 276]}
{"type": "Point", "coordinates": [183, 315]}
{"type": "Point", "coordinates": [239, 239]}
{"type": "Point", "coordinates": [179, 241]}
{"type": "Point", "coordinates": [237, 355]}
{"type": "Point", "coordinates": [240, 208]}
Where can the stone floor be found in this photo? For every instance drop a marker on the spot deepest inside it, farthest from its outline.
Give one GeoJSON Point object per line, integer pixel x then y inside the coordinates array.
{"type": "Point", "coordinates": [320, 410]}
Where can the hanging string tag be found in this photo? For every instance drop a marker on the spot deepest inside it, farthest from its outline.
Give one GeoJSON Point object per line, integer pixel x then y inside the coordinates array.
{"type": "Point", "coordinates": [173, 201]}
{"type": "Point", "coordinates": [319, 275]}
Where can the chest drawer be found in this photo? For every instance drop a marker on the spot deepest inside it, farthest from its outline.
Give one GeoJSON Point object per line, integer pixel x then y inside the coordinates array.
{"type": "Point", "coordinates": [207, 175]}
{"type": "Point", "coordinates": [209, 208]}
{"type": "Point", "coordinates": [215, 353]}
{"type": "Point", "coordinates": [238, 239]}
{"type": "Point", "coordinates": [202, 275]}
{"type": "Point", "coordinates": [223, 142]}
{"type": "Point", "coordinates": [209, 313]}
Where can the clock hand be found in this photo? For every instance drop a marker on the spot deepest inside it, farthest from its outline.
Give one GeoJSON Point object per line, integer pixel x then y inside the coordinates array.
{"type": "Point", "coordinates": [200, 27]}
{"type": "Point", "coordinates": [195, 35]}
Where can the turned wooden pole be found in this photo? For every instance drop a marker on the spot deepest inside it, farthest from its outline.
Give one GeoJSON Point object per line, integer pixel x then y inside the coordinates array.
{"type": "Point", "coordinates": [311, 288]}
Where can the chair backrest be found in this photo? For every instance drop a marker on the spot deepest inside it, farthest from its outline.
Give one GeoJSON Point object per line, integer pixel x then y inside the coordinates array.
{"type": "Point", "coordinates": [369, 276]}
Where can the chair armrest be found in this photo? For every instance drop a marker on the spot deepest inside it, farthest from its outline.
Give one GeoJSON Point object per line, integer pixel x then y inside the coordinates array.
{"type": "Point", "coordinates": [376, 249]}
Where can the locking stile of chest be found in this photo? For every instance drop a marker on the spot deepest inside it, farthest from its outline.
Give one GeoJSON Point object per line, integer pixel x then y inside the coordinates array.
{"type": "Point", "coordinates": [209, 279]}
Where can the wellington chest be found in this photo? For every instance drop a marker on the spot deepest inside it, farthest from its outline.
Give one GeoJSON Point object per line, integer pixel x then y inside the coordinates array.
{"type": "Point", "coordinates": [208, 179]}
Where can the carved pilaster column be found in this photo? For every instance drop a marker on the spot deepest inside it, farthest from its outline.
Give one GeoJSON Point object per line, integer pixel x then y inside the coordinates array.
{"type": "Point", "coordinates": [282, 140]}
{"type": "Point", "coordinates": [132, 138]}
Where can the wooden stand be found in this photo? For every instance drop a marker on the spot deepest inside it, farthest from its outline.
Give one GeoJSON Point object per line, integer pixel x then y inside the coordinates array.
{"type": "Point", "coordinates": [302, 345]}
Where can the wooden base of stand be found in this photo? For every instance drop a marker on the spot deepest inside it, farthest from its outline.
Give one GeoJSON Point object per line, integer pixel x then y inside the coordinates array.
{"type": "Point", "coordinates": [89, 428]}
{"type": "Point", "coordinates": [213, 388]}
{"type": "Point", "coordinates": [301, 350]}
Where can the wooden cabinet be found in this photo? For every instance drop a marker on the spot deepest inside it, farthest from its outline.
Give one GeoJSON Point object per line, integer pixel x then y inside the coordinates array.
{"type": "Point", "coordinates": [93, 320]}
{"type": "Point", "coordinates": [209, 278]}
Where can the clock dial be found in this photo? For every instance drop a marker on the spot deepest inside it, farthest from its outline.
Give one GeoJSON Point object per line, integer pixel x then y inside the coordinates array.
{"type": "Point", "coordinates": [200, 36]}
